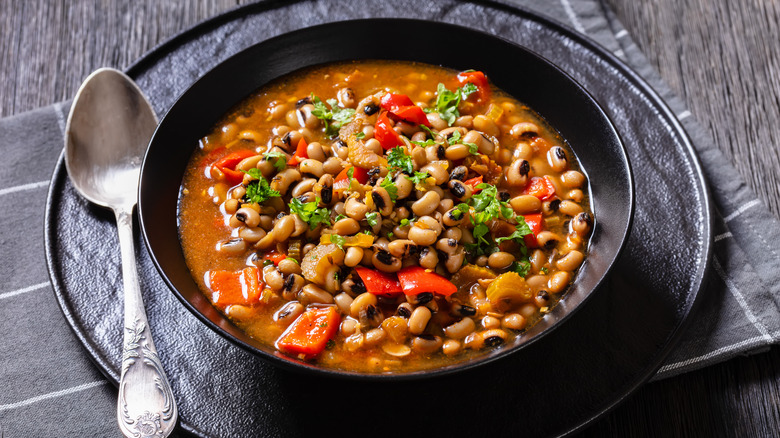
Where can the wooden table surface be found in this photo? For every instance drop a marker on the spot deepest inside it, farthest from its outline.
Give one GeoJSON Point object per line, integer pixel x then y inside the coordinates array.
{"type": "Point", "coordinates": [721, 56]}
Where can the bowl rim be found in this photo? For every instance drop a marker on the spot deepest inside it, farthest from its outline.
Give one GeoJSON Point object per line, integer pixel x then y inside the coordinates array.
{"type": "Point", "coordinates": [294, 364]}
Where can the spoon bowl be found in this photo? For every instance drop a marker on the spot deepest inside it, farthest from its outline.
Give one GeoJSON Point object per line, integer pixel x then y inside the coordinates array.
{"type": "Point", "coordinates": [108, 129]}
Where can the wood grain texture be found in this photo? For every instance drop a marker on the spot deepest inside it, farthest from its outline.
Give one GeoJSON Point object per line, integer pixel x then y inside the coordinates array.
{"type": "Point", "coordinates": [721, 56]}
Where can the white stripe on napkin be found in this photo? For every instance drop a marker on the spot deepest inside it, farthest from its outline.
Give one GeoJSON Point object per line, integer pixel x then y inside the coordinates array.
{"type": "Point", "coordinates": [14, 293]}
{"type": "Point", "coordinates": [759, 340]}
{"type": "Point", "coordinates": [50, 395]}
{"type": "Point", "coordinates": [741, 300]}
{"type": "Point", "coordinates": [741, 210]}
{"type": "Point", "coordinates": [30, 186]}
{"type": "Point", "coordinates": [575, 21]}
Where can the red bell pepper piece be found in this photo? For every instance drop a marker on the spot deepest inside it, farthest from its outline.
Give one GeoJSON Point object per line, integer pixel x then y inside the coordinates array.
{"type": "Point", "coordinates": [227, 165]}
{"type": "Point", "coordinates": [480, 80]}
{"type": "Point", "coordinates": [243, 287]}
{"type": "Point", "coordinates": [402, 107]}
{"type": "Point", "coordinates": [342, 179]}
{"type": "Point", "coordinates": [385, 134]}
{"type": "Point", "coordinates": [309, 334]}
{"type": "Point", "coordinates": [392, 100]}
{"type": "Point", "coordinates": [542, 188]}
{"type": "Point", "coordinates": [416, 280]}
{"type": "Point", "coordinates": [473, 183]}
{"type": "Point", "coordinates": [534, 222]}
{"type": "Point", "coordinates": [379, 283]}
{"type": "Point", "coordinates": [300, 153]}
{"type": "Point", "coordinates": [275, 257]}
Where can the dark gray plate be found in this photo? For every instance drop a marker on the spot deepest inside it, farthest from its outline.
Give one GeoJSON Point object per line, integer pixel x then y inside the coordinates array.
{"type": "Point", "coordinates": [580, 371]}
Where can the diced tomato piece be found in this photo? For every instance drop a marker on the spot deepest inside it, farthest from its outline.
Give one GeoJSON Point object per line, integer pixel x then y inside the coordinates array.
{"type": "Point", "coordinates": [401, 107]}
{"type": "Point", "coordinates": [300, 153]}
{"type": "Point", "coordinates": [309, 334]}
{"type": "Point", "coordinates": [379, 283]}
{"type": "Point", "coordinates": [542, 188]}
{"type": "Point", "coordinates": [473, 183]}
{"type": "Point", "coordinates": [385, 134]}
{"type": "Point", "coordinates": [227, 165]}
{"type": "Point", "coordinates": [243, 287]}
{"type": "Point", "coordinates": [342, 179]}
{"type": "Point", "coordinates": [416, 280]}
{"type": "Point", "coordinates": [480, 80]}
{"type": "Point", "coordinates": [534, 222]}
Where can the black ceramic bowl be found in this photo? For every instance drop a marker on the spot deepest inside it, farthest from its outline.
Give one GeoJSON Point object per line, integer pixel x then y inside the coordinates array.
{"type": "Point", "coordinates": [523, 74]}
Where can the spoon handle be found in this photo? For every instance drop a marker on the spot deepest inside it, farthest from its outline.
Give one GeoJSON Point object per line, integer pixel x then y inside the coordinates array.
{"type": "Point", "coordinates": [146, 407]}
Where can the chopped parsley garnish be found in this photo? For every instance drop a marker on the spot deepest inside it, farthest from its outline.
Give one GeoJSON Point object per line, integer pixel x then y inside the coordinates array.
{"type": "Point", "coordinates": [338, 240]}
{"type": "Point", "coordinates": [350, 174]}
{"type": "Point", "coordinates": [280, 160]}
{"type": "Point", "coordinates": [372, 218]}
{"type": "Point", "coordinates": [487, 207]}
{"type": "Point", "coordinates": [426, 143]}
{"type": "Point", "coordinates": [258, 190]}
{"type": "Point", "coordinates": [334, 117]}
{"type": "Point", "coordinates": [473, 148]}
{"type": "Point", "coordinates": [403, 223]}
{"type": "Point", "coordinates": [360, 135]}
{"type": "Point", "coordinates": [447, 101]}
{"type": "Point", "coordinates": [460, 210]}
{"type": "Point", "coordinates": [339, 217]}
{"type": "Point", "coordinates": [418, 177]}
{"type": "Point", "coordinates": [544, 270]}
{"type": "Point", "coordinates": [521, 230]}
{"type": "Point", "coordinates": [330, 344]}
{"type": "Point", "coordinates": [323, 325]}
{"type": "Point", "coordinates": [310, 213]}
{"type": "Point", "coordinates": [292, 260]}
{"type": "Point", "coordinates": [389, 185]}
{"type": "Point", "coordinates": [522, 267]}
{"type": "Point", "coordinates": [398, 159]}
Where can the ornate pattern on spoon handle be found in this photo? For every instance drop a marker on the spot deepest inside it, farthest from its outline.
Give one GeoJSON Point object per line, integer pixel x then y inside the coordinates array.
{"type": "Point", "coordinates": [146, 407]}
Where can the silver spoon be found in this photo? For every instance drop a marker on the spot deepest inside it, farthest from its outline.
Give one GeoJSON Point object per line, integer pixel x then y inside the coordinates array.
{"type": "Point", "coordinates": [109, 127]}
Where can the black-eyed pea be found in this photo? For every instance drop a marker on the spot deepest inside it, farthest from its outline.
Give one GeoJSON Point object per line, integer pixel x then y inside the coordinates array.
{"type": "Point", "coordinates": [457, 152]}
{"type": "Point", "coordinates": [419, 320]}
{"type": "Point", "coordinates": [429, 258]}
{"type": "Point", "coordinates": [234, 246]}
{"type": "Point", "coordinates": [572, 179]}
{"type": "Point", "coordinates": [332, 166]}
{"type": "Point", "coordinates": [289, 266]}
{"type": "Point", "coordinates": [453, 233]}
{"type": "Point", "coordinates": [525, 204]}
{"type": "Point", "coordinates": [569, 208]}
{"type": "Point", "coordinates": [494, 337]}
{"type": "Point", "coordinates": [353, 256]}
{"type": "Point", "coordinates": [542, 299]}
{"type": "Point", "coordinates": [486, 125]}
{"type": "Point", "coordinates": [354, 342]}
{"type": "Point", "coordinates": [306, 185]}
{"type": "Point", "coordinates": [484, 145]}
{"type": "Point", "coordinates": [482, 261]}
{"type": "Point", "coordinates": [283, 228]}
{"type": "Point", "coordinates": [349, 326]}
{"type": "Point", "coordinates": [460, 329]}
{"type": "Point", "coordinates": [500, 260]}
{"type": "Point", "coordinates": [419, 136]}
{"type": "Point", "coordinates": [556, 156]}
{"type": "Point", "coordinates": [465, 122]}
{"type": "Point", "coordinates": [312, 167]}
{"type": "Point", "coordinates": [523, 151]}
{"type": "Point", "coordinates": [239, 312]}
{"type": "Point", "coordinates": [570, 261]}
{"type": "Point", "coordinates": [490, 322]}
{"type": "Point", "coordinates": [536, 282]}
{"type": "Point", "coordinates": [513, 321]}
{"type": "Point", "coordinates": [426, 343]}
{"type": "Point", "coordinates": [436, 120]}
{"type": "Point", "coordinates": [451, 347]}
{"type": "Point", "coordinates": [361, 302]}
{"type": "Point", "coordinates": [375, 336]}
{"type": "Point", "coordinates": [437, 171]}
{"type": "Point", "coordinates": [273, 278]}
{"type": "Point", "coordinates": [374, 146]}
{"type": "Point", "coordinates": [313, 294]}
{"type": "Point", "coordinates": [517, 174]}
{"type": "Point", "coordinates": [575, 195]}
{"type": "Point", "coordinates": [427, 204]}
{"type": "Point", "coordinates": [277, 110]}
{"type": "Point", "coordinates": [384, 261]}
{"type": "Point", "coordinates": [582, 223]}
{"type": "Point", "coordinates": [346, 227]}
{"type": "Point", "coordinates": [251, 235]}
{"type": "Point", "coordinates": [538, 259]}
{"type": "Point", "coordinates": [524, 129]}
{"type": "Point", "coordinates": [288, 313]}
{"type": "Point", "coordinates": [548, 239]}
{"type": "Point", "coordinates": [459, 190]}
{"type": "Point", "coordinates": [474, 341]}
{"type": "Point", "coordinates": [231, 205]}
{"type": "Point", "coordinates": [355, 209]}
{"type": "Point", "coordinates": [559, 281]}
{"type": "Point", "coordinates": [528, 310]}
{"type": "Point", "coordinates": [292, 285]}
{"type": "Point", "coordinates": [346, 97]}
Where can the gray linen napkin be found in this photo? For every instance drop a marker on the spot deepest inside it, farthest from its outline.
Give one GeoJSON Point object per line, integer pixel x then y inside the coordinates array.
{"type": "Point", "coordinates": [47, 384]}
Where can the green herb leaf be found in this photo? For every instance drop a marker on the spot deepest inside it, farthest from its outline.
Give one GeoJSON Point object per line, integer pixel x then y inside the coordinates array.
{"type": "Point", "coordinates": [473, 148]}
{"type": "Point", "coordinates": [334, 117]}
{"type": "Point", "coordinates": [418, 177]}
{"type": "Point", "coordinates": [389, 185]}
{"type": "Point", "coordinates": [522, 267]}
{"type": "Point", "coordinates": [454, 138]}
{"type": "Point", "coordinates": [309, 212]}
{"type": "Point", "coordinates": [372, 218]}
{"type": "Point", "coordinates": [426, 143]}
{"type": "Point", "coordinates": [460, 210]}
{"type": "Point", "coordinates": [398, 159]}
{"type": "Point", "coordinates": [447, 101]}
{"type": "Point", "coordinates": [360, 135]}
{"type": "Point", "coordinates": [521, 230]}
{"type": "Point", "coordinates": [292, 259]}
{"type": "Point", "coordinates": [350, 174]}
{"type": "Point", "coordinates": [339, 217]}
{"type": "Point", "coordinates": [258, 190]}
{"type": "Point", "coordinates": [403, 223]}
{"type": "Point", "coordinates": [338, 240]}
{"type": "Point", "coordinates": [279, 160]}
